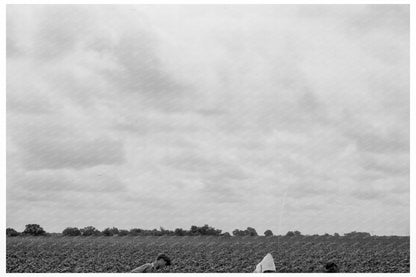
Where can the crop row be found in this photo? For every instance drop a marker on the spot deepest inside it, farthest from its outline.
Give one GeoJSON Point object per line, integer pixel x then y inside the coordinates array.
{"type": "Point", "coordinates": [206, 254]}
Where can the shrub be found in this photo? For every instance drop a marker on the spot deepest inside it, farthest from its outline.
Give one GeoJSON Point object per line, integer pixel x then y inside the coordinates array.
{"type": "Point", "coordinates": [34, 230]}
{"type": "Point", "coordinates": [293, 233]}
{"type": "Point", "coordinates": [357, 235]}
{"type": "Point", "coordinates": [290, 234]}
{"type": "Point", "coordinates": [123, 233]}
{"type": "Point", "coordinates": [71, 231]}
{"type": "Point", "coordinates": [106, 232]}
{"type": "Point", "coordinates": [89, 231]}
{"type": "Point", "coordinates": [180, 232]}
{"type": "Point", "coordinates": [114, 231]}
{"type": "Point", "coordinates": [248, 232]}
{"type": "Point", "coordinates": [226, 235]}
{"type": "Point", "coordinates": [10, 232]}
{"type": "Point", "coordinates": [110, 231]}
{"type": "Point", "coordinates": [205, 230]}
{"type": "Point", "coordinates": [251, 232]}
{"type": "Point", "coordinates": [238, 233]}
{"type": "Point", "coordinates": [268, 233]}
{"type": "Point", "coordinates": [135, 232]}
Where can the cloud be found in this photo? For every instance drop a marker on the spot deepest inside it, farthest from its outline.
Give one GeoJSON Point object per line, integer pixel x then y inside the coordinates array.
{"type": "Point", "coordinates": [54, 143]}
{"type": "Point", "coordinates": [366, 193]}
{"type": "Point", "coordinates": [312, 189]}
{"type": "Point", "coordinates": [71, 153]}
{"type": "Point", "coordinates": [199, 110]}
{"type": "Point", "coordinates": [386, 165]}
{"type": "Point", "coordinates": [370, 139]}
{"type": "Point", "coordinates": [53, 180]}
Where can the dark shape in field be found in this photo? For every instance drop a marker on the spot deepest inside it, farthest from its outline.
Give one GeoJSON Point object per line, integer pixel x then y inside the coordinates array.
{"type": "Point", "coordinates": [331, 267]}
{"type": "Point", "coordinates": [160, 262]}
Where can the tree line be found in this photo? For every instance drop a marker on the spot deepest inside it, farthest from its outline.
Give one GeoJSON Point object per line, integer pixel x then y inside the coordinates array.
{"type": "Point", "coordinates": [206, 230]}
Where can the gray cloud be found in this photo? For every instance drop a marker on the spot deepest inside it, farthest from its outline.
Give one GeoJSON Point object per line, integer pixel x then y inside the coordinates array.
{"type": "Point", "coordinates": [311, 189]}
{"type": "Point", "coordinates": [49, 181]}
{"type": "Point", "coordinates": [367, 193]}
{"type": "Point", "coordinates": [220, 192]}
{"type": "Point", "coordinates": [209, 108]}
{"type": "Point", "coordinates": [372, 140]}
{"type": "Point", "coordinates": [71, 153]}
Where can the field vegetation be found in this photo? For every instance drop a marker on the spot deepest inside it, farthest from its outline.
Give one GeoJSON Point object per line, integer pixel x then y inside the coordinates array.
{"type": "Point", "coordinates": [198, 254]}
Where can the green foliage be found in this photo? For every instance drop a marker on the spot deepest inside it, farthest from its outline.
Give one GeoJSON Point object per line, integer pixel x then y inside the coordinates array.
{"type": "Point", "coordinates": [268, 233]}
{"type": "Point", "coordinates": [89, 231]}
{"type": "Point", "coordinates": [251, 232]}
{"type": "Point", "coordinates": [293, 234]}
{"type": "Point", "coordinates": [207, 254]}
{"type": "Point", "coordinates": [123, 233]}
{"type": "Point", "coordinates": [355, 234]}
{"type": "Point", "coordinates": [204, 231]}
{"type": "Point", "coordinates": [34, 230]}
{"type": "Point", "coordinates": [136, 232]}
{"type": "Point", "coordinates": [180, 232]}
{"type": "Point", "coordinates": [110, 231]}
{"type": "Point", "coordinates": [10, 232]}
{"type": "Point", "coordinates": [71, 231]}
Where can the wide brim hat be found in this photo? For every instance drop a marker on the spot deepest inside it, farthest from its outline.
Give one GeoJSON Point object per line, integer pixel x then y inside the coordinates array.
{"type": "Point", "coordinates": [267, 264]}
{"type": "Point", "coordinates": [164, 257]}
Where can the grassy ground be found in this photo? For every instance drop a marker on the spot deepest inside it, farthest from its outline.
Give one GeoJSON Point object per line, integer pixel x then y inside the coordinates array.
{"type": "Point", "coordinates": [207, 254]}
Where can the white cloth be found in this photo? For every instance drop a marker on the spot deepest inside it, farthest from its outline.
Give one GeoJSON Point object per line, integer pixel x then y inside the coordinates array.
{"type": "Point", "coordinates": [266, 264]}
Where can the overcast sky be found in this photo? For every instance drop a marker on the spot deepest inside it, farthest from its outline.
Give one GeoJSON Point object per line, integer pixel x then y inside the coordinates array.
{"type": "Point", "coordinates": [274, 117]}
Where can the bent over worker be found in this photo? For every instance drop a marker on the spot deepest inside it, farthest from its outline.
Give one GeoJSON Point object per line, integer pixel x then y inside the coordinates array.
{"type": "Point", "coordinates": [160, 262]}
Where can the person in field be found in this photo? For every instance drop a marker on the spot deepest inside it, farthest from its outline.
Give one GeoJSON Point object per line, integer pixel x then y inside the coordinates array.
{"type": "Point", "coordinates": [266, 265]}
{"type": "Point", "coordinates": [160, 262]}
{"type": "Point", "coordinates": [331, 267]}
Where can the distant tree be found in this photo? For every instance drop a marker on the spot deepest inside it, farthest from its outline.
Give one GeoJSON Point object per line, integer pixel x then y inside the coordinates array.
{"type": "Point", "coordinates": [355, 234]}
{"type": "Point", "coordinates": [166, 232]}
{"type": "Point", "coordinates": [290, 234]}
{"type": "Point", "coordinates": [90, 231]}
{"type": "Point", "coordinates": [326, 235]}
{"type": "Point", "coordinates": [110, 232]}
{"type": "Point", "coordinates": [155, 232]}
{"type": "Point", "coordinates": [34, 230]}
{"type": "Point", "coordinates": [106, 232]}
{"type": "Point", "coordinates": [238, 233]}
{"type": "Point", "coordinates": [54, 234]}
{"type": "Point", "coordinates": [180, 232]}
{"type": "Point", "coordinates": [297, 233]}
{"type": "Point", "coordinates": [114, 231]}
{"type": "Point", "coordinates": [194, 231]}
{"type": "Point", "coordinates": [205, 230]}
{"type": "Point", "coordinates": [163, 231]}
{"type": "Point", "coordinates": [136, 232]}
{"type": "Point", "coordinates": [123, 233]}
{"type": "Point", "coordinates": [268, 233]}
{"type": "Point", "coordinates": [336, 235]}
{"type": "Point", "coordinates": [226, 234]}
{"type": "Point", "coordinates": [71, 231]}
{"type": "Point", "coordinates": [248, 232]}
{"type": "Point", "coordinates": [251, 232]}
{"type": "Point", "coordinates": [10, 232]}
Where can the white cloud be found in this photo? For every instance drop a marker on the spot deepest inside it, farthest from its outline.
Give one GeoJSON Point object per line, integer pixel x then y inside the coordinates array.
{"type": "Point", "coordinates": [224, 115]}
